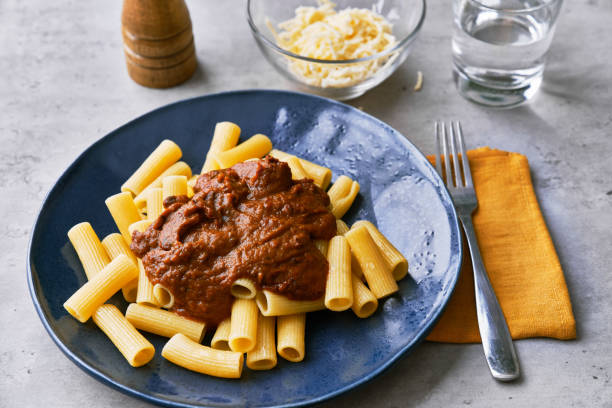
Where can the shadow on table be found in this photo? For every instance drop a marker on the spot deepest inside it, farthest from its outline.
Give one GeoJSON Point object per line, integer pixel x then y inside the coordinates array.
{"type": "Point", "coordinates": [380, 100]}
{"type": "Point", "coordinates": [409, 382]}
{"type": "Point", "coordinates": [582, 85]}
{"type": "Point", "coordinates": [198, 79]}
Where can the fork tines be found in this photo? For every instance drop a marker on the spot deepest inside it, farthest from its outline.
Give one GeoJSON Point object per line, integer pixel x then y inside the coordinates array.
{"type": "Point", "coordinates": [447, 139]}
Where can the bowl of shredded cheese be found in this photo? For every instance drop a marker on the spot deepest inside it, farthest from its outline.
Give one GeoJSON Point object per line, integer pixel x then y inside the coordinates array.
{"type": "Point", "coordinates": [336, 49]}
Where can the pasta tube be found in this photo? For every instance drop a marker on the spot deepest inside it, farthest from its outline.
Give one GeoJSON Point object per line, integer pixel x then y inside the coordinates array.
{"type": "Point", "coordinates": [225, 137]}
{"type": "Point", "coordinates": [174, 186]}
{"type": "Point", "coordinates": [339, 289]}
{"type": "Point", "coordinates": [322, 245]}
{"type": "Point", "coordinates": [145, 294]}
{"type": "Point", "coordinates": [355, 267]}
{"type": "Point", "coordinates": [100, 288]}
{"type": "Point", "coordinates": [243, 328]}
{"type": "Point", "coordinates": [220, 340]}
{"type": "Point", "coordinates": [191, 184]}
{"type": "Point", "coordinates": [243, 288]}
{"type": "Point", "coordinates": [155, 203]}
{"type": "Point", "coordinates": [137, 350]}
{"type": "Point", "coordinates": [364, 301]}
{"type": "Point", "coordinates": [394, 258]}
{"type": "Point", "coordinates": [254, 147]}
{"type": "Point", "coordinates": [140, 226]}
{"type": "Point", "coordinates": [184, 352]}
{"type": "Point", "coordinates": [297, 171]}
{"type": "Point", "coordinates": [342, 194]}
{"type": "Point", "coordinates": [123, 210]}
{"type": "Point", "coordinates": [166, 154]}
{"type": "Point", "coordinates": [375, 269]}
{"type": "Point", "coordinates": [272, 304]}
{"type": "Point", "coordinates": [177, 169]}
{"type": "Point", "coordinates": [163, 322]}
{"type": "Point", "coordinates": [263, 356]}
{"type": "Point", "coordinates": [88, 247]}
{"type": "Point", "coordinates": [341, 227]}
{"type": "Point", "coordinates": [115, 245]}
{"type": "Point", "coordinates": [320, 175]}
{"type": "Point", "coordinates": [291, 332]}
{"type": "Point", "coordinates": [163, 296]}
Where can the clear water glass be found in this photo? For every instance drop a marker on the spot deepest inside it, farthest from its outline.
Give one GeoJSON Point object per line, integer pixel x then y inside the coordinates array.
{"type": "Point", "coordinates": [499, 48]}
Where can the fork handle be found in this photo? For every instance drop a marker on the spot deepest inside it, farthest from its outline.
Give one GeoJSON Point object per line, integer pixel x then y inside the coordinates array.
{"type": "Point", "coordinates": [496, 339]}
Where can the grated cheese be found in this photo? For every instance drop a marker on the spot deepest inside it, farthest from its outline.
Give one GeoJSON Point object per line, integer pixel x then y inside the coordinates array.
{"type": "Point", "coordinates": [419, 82]}
{"type": "Point", "coordinates": [324, 33]}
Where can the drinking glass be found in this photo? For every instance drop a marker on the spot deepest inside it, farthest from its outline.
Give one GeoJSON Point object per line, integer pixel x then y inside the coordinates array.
{"type": "Point", "coordinates": [499, 48]}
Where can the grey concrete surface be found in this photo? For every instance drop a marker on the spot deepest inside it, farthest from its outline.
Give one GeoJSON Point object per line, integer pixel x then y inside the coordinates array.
{"type": "Point", "coordinates": [63, 85]}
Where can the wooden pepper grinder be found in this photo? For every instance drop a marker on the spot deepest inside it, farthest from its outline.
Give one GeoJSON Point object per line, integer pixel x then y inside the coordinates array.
{"type": "Point", "coordinates": [158, 42]}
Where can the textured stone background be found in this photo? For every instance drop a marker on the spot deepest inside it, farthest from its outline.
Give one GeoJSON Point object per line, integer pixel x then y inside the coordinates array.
{"type": "Point", "coordinates": [63, 85]}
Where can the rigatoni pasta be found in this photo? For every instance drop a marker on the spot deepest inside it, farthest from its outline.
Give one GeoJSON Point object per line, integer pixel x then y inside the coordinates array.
{"type": "Point", "coordinates": [100, 288]}
{"type": "Point", "coordinates": [225, 137]}
{"type": "Point", "coordinates": [297, 171]}
{"type": "Point", "coordinates": [263, 355]}
{"type": "Point", "coordinates": [137, 350]}
{"type": "Point", "coordinates": [184, 352]}
{"type": "Point", "coordinates": [163, 296]}
{"type": "Point", "coordinates": [155, 203]}
{"type": "Point", "coordinates": [254, 147]}
{"type": "Point", "coordinates": [342, 194]}
{"type": "Point", "coordinates": [355, 267]}
{"type": "Point", "coordinates": [139, 226]}
{"type": "Point", "coordinates": [341, 227]}
{"type": "Point", "coordinates": [115, 245]}
{"type": "Point", "coordinates": [339, 289]}
{"type": "Point", "coordinates": [166, 154]}
{"type": "Point", "coordinates": [320, 175]}
{"type": "Point", "coordinates": [174, 186]}
{"type": "Point", "coordinates": [243, 325]}
{"type": "Point", "coordinates": [273, 304]}
{"type": "Point", "coordinates": [291, 331]}
{"type": "Point", "coordinates": [322, 245]}
{"type": "Point", "coordinates": [220, 340]}
{"type": "Point", "coordinates": [243, 288]}
{"type": "Point", "coordinates": [191, 184]}
{"type": "Point", "coordinates": [375, 269]}
{"type": "Point", "coordinates": [88, 247]}
{"type": "Point", "coordinates": [177, 169]}
{"type": "Point", "coordinates": [364, 301]}
{"type": "Point", "coordinates": [394, 258]}
{"type": "Point", "coordinates": [163, 322]}
{"type": "Point", "coordinates": [123, 210]}
{"type": "Point", "coordinates": [145, 294]}
{"type": "Point", "coordinates": [257, 315]}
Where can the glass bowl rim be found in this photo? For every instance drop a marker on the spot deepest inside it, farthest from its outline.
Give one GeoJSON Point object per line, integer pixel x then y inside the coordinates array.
{"type": "Point", "coordinates": [255, 30]}
{"type": "Point", "coordinates": [549, 3]}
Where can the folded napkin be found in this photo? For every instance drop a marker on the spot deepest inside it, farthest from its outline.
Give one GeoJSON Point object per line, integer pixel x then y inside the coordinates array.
{"type": "Point", "coordinates": [518, 254]}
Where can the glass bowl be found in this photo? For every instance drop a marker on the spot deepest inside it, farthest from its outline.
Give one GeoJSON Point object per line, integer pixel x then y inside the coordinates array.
{"type": "Point", "coordinates": [406, 17]}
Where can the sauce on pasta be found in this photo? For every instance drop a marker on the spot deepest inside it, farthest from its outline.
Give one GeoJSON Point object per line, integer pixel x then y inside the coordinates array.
{"type": "Point", "coordinates": [249, 221]}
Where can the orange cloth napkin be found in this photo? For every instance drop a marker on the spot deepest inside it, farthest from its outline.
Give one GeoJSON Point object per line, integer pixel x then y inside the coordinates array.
{"type": "Point", "coordinates": [518, 254]}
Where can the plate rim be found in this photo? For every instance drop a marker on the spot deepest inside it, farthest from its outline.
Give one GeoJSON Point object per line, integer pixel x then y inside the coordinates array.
{"type": "Point", "coordinates": [104, 379]}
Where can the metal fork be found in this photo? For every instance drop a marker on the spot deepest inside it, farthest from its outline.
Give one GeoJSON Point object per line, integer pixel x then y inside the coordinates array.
{"type": "Point", "coordinates": [496, 340]}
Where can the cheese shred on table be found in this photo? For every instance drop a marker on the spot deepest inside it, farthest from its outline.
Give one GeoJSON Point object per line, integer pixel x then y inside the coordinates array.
{"type": "Point", "coordinates": [324, 33]}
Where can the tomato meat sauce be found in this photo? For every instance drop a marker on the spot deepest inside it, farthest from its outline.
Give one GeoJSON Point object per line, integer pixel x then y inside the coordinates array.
{"type": "Point", "coordinates": [249, 221]}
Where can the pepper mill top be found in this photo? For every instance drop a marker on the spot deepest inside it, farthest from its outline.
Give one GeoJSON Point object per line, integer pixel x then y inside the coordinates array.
{"type": "Point", "coordinates": [158, 42]}
{"type": "Point", "coordinates": [155, 19]}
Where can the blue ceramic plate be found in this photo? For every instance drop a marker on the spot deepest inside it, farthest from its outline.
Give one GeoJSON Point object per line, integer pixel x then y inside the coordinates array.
{"type": "Point", "coordinates": [400, 192]}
